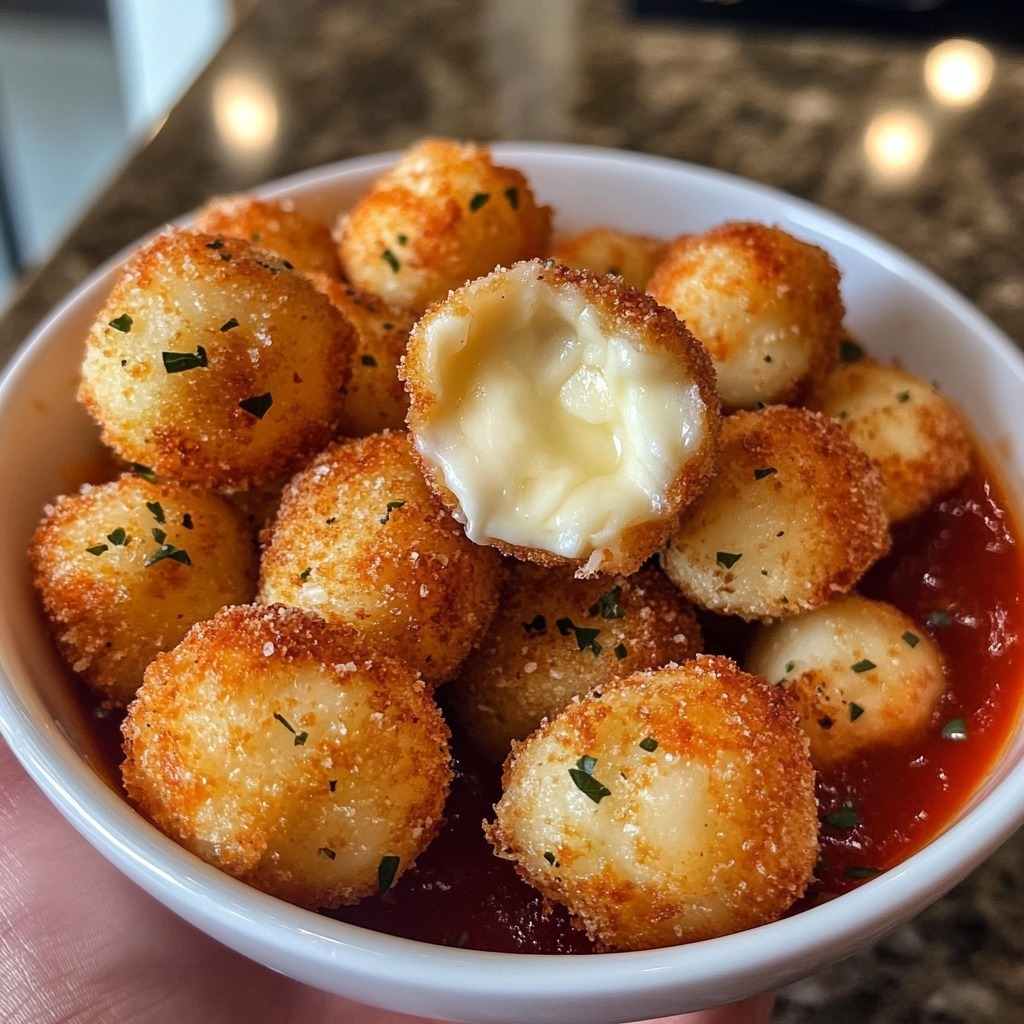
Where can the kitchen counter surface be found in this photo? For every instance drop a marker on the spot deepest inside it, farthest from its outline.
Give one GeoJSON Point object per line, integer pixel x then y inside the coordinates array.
{"type": "Point", "coordinates": [843, 120]}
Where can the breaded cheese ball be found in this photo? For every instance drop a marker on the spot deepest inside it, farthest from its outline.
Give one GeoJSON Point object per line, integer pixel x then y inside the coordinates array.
{"type": "Point", "coordinates": [565, 418]}
{"type": "Point", "coordinates": [214, 364]}
{"type": "Point", "coordinates": [861, 673]}
{"type": "Point", "coordinates": [677, 806]}
{"type": "Point", "coordinates": [360, 539]}
{"type": "Point", "coordinates": [123, 569]}
{"type": "Point", "coordinates": [915, 436]}
{"type": "Point", "coordinates": [765, 305]}
{"type": "Point", "coordinates": [792, 517]}
{"type": "Point", "coordinates": [285, 752]}
{"type": "Point", "coordinates": [444, 214]}
{"type": "Point", "coordinates": [604, 250]}
{"type": "Point", "coordinates": [375, 397]}
{"type": "Point", "coordinates": [555, 637]}
{"type": "Point", "coordinates": [274, 225]}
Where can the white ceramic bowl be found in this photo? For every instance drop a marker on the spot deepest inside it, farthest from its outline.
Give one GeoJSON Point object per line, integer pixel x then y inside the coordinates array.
{"type": "Point", "coordinates": [895, 307]}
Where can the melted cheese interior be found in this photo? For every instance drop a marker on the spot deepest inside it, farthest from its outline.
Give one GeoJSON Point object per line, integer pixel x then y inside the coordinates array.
{"type": "Point", "coordinates": [554, 428]}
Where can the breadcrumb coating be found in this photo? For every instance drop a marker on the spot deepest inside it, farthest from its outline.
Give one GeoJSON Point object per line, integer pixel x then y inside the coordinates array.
{"type": "Point", "coordinates": [604, 250]}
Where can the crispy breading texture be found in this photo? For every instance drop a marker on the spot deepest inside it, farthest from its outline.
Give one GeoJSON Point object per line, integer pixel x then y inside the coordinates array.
{"type": "Point", "coordinates": [289, 754]}
{"type": "Point", "coordinates": [604, 250]}
{"type": "Point", "coordinates": [360, 539]}
{"type": "Point", "coordinates": [375, 397]}
{"type": "Point", "coordinates": [766, 306]}
{"type": "Point", "coordinates": [214, 364]}
{"type": "Point", "coordinates": [556, 637]}
{"type": "Point", "coordinates": [915, 435]}
{"type": "Point", "coordinates": [123, 570]}
{"type": "Point", "coordinates": [566, 418]}
{"type": "Point", "coordinates": [444, 214]}
{"type": "Point", "coordinates": [274, 225]}
{"type": "Point", "coordinates": [677, 806]}
{"type": "Point", "coordinates": [861, 673]}
{"type": "Point", "coordinates": [793, 517]}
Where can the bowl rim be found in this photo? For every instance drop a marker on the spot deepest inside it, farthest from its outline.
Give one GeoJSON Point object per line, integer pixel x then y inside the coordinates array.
{"type": "Point", "coordinates": [704, 972]}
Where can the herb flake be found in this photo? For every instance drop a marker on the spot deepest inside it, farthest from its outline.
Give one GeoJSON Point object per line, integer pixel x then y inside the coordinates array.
{"type": "Point", "coordinates": [479, 200]}
{"type": "Point", "coordinates": [583, 778]}
{"type": "Point", "coordinates": [178, 362]}
{"type": "Point", "coordinates": [863, 666]}
{"type": "Point", "coordinates": [122, 323]}
{"type": "Point", "coordinates": [607, 605]}
{"type": "Point", "coordinates": [386, 871]}
{"type": "Point", "coordinates": [955, 729]}
{"type": "Point", "coordinates": [586, 639]}
{"type": "Point", "coordinates": [846, 817]}
{"type": "Point", "coordinates": [727, 559]}
{"type": "Point", "coordinates": [258, 405]}
{"type": "Point", "coordinates": [391, 260]}
{"type": "Point", "coordinates": [649, 743]}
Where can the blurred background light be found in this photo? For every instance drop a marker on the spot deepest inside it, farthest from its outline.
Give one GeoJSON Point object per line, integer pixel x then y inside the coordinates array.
{"type": "Point", "coordinates": [958, 72]}
{"type": "Point", "coordinates": [897, 143]}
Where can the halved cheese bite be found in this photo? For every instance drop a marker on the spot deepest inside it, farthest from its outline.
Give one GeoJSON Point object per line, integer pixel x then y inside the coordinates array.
{"type": "Point", "coordinates": [677, 806]}
{"type": "Point", "coordinates": [862, 674]}
{"type": "Point", "coordinates": [287, 753]}
{"type": "Point", "coordinates": [915, 436]}
{"type": "Point", "coordinates": [564, 417]}
{"type": "Point", "coordinates": [792, 517]}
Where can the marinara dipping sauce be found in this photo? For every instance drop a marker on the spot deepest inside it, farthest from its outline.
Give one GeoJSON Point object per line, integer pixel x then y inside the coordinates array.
{"type": "Point", "coordinates": [957, 570]}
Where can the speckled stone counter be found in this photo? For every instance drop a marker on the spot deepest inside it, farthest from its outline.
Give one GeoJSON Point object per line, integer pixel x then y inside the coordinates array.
{"type": "Point", "coordinates": [805, 113]}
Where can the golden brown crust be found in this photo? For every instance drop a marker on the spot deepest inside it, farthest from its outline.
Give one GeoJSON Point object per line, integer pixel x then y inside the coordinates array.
{"type": "Point", "coordinates": [555, 637]}
{"type": "Point", "coordinates": [792, 517]}
{"type": "Point", "coordinates": [360, 539]}
{"type": "Point", "coordinates": [273, 358]}
{"type": "Point", "coordinates": [623, 311]}
{"type": "Point", "coordinates": [262, 744]}
{"type": "Point", "coordinates": [708, 824]}
{"type": "Point", "coordinates": [604, 250]}
{"type": "Point", "coordinates": [274, 225]}
{"type": "Point", "coordinates": [444, 214]}
{"type": "Point", "coordinates": [111, 600]}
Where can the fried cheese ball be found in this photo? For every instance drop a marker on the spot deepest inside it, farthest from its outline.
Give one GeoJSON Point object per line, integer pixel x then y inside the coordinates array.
{"type": "Point", "coordinates": [792, 517]}
{"type": "Point", "coordinates": [274, 225]}
{"type": "Point", "coordinates": [565, 418]}
{"type": "Point", "coordinates": [214, 364]}
{"type": "Point", "coordinates": [915, 436]}
{"type": "Point", "coordinates": [676, 807]}
{"type": "Point", "coordinates": [605, 250]}
{"type": "Point", "coordinates": [360, 539]}
{"type": "Point", "coordinates": [555, 637]}
{"type": "Point", "coordinates": [285, 752]}
{"type": "Point", "coordinates": [375, 398]}
{"type": "Point", "coordinates": [123, 570]}
{"type": "Point", "coordinates": [861, 673]}
{"type": "Point", "coordinates": [444, 214]}
{"type": "Point", "coordinates": [764, 304]}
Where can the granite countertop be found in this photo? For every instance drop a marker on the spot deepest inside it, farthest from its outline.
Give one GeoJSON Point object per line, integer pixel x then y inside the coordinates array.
{"type": "Point", "coordinates": [790, 109]}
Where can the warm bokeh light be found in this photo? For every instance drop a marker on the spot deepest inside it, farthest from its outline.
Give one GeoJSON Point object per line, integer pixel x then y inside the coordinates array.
{"type": "Point", "coordinates": [245, 112]}
{"type": "Point", "coordinates": [896, 144]}
{"type": "Point", "coordinates": [958, 72]}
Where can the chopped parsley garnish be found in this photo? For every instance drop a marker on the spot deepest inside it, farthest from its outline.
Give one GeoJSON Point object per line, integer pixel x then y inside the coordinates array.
{"type": "Point", "coordinates": [118, 537]}
{"type": "Point", "coordinates": [512, 195]}
{"type": "Point", "coordinates": [402, 239]}
{"type": "Point", "coordinates": [858, 871]}
{"type": "Point", "coordinates": [726, 559]}
{"type": "Point", "coordinates": [229, 325]}
{"type": "Point", "coordinates": [585, 638]}
{"type": "Point", "coordinates": [850, 351]}
{"type": "Point", "coordinates": [217, 243]}
{"type": "Point", "coordinates": [159, 536]}
{"type": "Point", "coordinates": [167, 551]}
{"type": "Point", "coordinates": [386, 871]}
{"type": "Point", "coordinates": [186, 521]}
{"type": "Point", "coordinates": [122, 323]}
{"type": "Point", "coordinates": [478, 200]}
{"type": "Point", "coordinates": [955, 729]}
{"type": "Point", "coordinates": [144, 471]}
{"type": "Point", "coordinates": [300, 737]}
{"type": "Point", "coordinates": [903, 396]}
{"type": "Point", "coordinates": [911, 639]}
{"type": "Point", "coordinates": [327, 852]}
{"type": "Point", "coordinates": [620, 651]}
{"type": "Point", "coordinates": [790, 665]}
{"type": "Point", "coordinates": [845, 817]}
{"type": "Point", "coordinates": [649, 743]}
{"type": "Point", "coordinates": [332, 784]}
{"type": "Point", "coordinates": [582, 776]}
{"type": "Point", "coordinates": [157, 511]}
{"type": "Point", "coordinates": [763, 471]}
{"type": "Point", "coordinates": [304, 575]}
{"type": "Point", "coordinates": [258, 405]}
{"type": "Point", "coordinates": [176, 362]}
{"type": "Point", "coordinates": [855, 711]}
{"type": "Point", "coordinates": [367, 360]}
{"type": "Point", "coordinates": [549, 857]}
{"type": "Point", "coordinates": [538, 624]}
{"type": "Point", "coordinates": [863, 666]}
{"type": "Point", "coordinates": [390, 507]}
{"type": "Point", "coordinates": [98, 549]}
{"type": "Point", "coordinates": [391, 260]}
{"type": "Point", "coordinates": [607, 605]}
{"type": "Point", "coordinates": [940, 619]}
{"type": "Point", "coordinates": [225, 256]}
